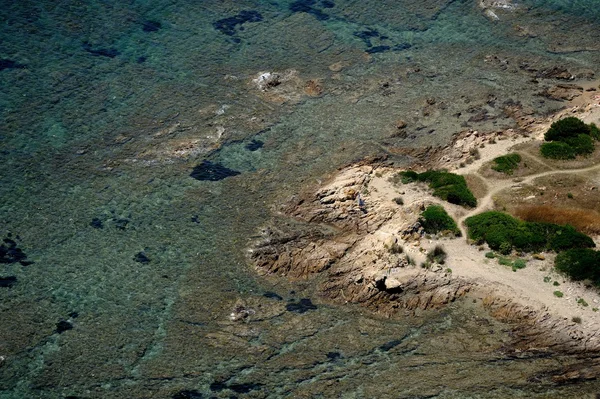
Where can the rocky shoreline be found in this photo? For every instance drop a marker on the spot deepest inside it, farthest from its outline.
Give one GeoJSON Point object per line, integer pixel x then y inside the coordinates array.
{"type": "Point", "coordinates": [363, 247]}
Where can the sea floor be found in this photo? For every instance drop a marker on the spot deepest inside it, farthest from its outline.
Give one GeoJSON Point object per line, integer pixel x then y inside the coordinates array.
{"type": "Point", "coordinates": [139, 160]}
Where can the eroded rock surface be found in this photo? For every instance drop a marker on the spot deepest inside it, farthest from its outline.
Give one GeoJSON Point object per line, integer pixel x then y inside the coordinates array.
{"type": "Point", "coordinates": [363, 246]}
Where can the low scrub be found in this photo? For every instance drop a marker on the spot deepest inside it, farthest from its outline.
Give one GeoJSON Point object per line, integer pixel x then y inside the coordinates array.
{"type": "Point", "coordinates": [580, 264]}
{"type": "Point", "coordinates": [504, 233]}
{"type": "Point", "coordinates": [566, 128]}
{"type": "Point", "coordinates": [557, 150]}
{"type": "Point", "coordinates": [568, 138]}
{"type": "Point", "coordinates": [447, 186]}
{"type": "Point", "coordinates": [435, 220]}
{"type": "Point", "coordinates": [584, 220]}
{"type": "Point", "coordinates": [506, 163]}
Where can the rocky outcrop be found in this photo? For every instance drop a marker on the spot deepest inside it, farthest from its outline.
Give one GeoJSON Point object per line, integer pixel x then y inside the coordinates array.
{"type": "Point", "coordinates": [562, 92]}
{"type": "Point", "coordinates": [362, 245]}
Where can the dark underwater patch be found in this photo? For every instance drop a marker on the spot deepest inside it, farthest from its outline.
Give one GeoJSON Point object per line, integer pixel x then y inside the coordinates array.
{"type": "Point", "coordinates": [333, 356]}
{"type": "Point", "coordinates": [369, 36]}
{"type": "Point", "coordinates": [8, 281]}
{"type": "Point", "coordinates": [390, 345]}
{"type": "Point", "coordinates": [151, 26]}
{"type": "Point", "coordinates": [63, 326]}
{"type": "Point", "coordinates": [272, 295]}
{"type": "Point", "coordinates": [307, 7]}
{"type": "Point", "coordinates": [212, 171]}
{"type": "Point", "coordinates": [229, 26]}
{"type": "Point", "coordinates": [254, 145]}
{"type": "Point", "coordinates": [245, 388]}
{"type": "Point", "coordinates": [141, 257]}
{"type": "Point", "coordinates": [302, 306]}
{"type": "Point", "coordinates": [218, 386]}
{"type": "Point", "coordinates": [97, 223]}
{"type": "Point", "coordinates": [237, 388]}
{"type": "Point", "coordinates": [187, 394]}
{"type": "Point", "coordinates": [5, 63]}
{"type": "Point", "coordinates": [100, 52]}
{"type": "Point", "coordinates": [10, 253]}
{"type": "Point", "coordinates": [377, 49]}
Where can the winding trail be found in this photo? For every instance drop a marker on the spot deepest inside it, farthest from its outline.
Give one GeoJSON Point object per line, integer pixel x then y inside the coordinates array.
{"type": "Point", "coordinates": [499, 185]}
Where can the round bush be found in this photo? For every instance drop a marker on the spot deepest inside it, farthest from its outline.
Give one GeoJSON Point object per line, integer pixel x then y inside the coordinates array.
{"type": "Point", "coordinates": [435, 219]}
{"type": "Point", "coordinates": [582, 144]}
{"type": "Point", "coordinates": [579, 264]}
{"type": "Point", "coordinates": [557, 150]}
{"type": "Point", "coordinates": [565, 128]}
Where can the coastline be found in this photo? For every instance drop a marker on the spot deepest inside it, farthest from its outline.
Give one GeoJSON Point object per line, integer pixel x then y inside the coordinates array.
{"type": "Point", "coordinates": [333, 236]}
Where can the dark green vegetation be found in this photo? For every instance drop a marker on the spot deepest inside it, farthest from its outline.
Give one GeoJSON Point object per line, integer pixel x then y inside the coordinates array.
{"type": "Point", "coordinates": [506, 163]}
{"type": "Point", "coordinates": [568, 138]}
{"type": "Point", "coordinates": [435, 219]}
{"type": "Point", "coordinates": [447, 186]}
{"type": "Point", "coordinates": [580, 264]}
{"type": "Point", "coordinates": [504, 233]}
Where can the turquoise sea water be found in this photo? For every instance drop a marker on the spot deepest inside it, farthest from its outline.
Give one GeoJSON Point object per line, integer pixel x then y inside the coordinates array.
{"type": "Point", "coordinates": [105, 109]}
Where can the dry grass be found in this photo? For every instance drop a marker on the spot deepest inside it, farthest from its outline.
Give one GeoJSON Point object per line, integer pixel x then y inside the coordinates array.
{"type": "Point", "coordinates": [584, 220]}
{"type": "Point", "coordinates": [476, 185]}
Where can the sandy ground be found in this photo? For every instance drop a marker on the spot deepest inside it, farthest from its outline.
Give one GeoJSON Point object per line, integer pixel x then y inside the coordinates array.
{"type": "Point", "coordinates": [533, 286]}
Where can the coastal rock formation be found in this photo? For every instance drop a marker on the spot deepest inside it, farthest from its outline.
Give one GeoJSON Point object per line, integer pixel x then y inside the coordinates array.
{"type": "Point", "coordinates": [365, 247]}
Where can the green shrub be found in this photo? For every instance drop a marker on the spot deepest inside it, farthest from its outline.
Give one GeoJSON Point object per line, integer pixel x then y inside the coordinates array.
{"type": "Point", "coordinates": [568, 138]}
{"type": "Point", "coordinates": [579, 264]}
{"type": "Point", "coordinates": [503, 233]}
{"type": "Point", "coordinates": [557, 150]}
{"type": "Point", "coordinates": [576, 319]}
{"type": "Point", "coordinates": [479, 225]}
{"type": "Point", "coordinates": [582, 144]}
{"type": "Point", "coordinates": [565, 128]}
{"type": "Point", "coordinates": [408, 176]}
{"type": "Point", "coordinates": [594, 131]}
{"type": "Point", "coordinates": [507, 163]}
{"type": "Point", "coordinates": [558, 294]}
{"type": "Point", "coordinates": [566, 237]}
{"type": "Point", "coordinates": [519, 264]}
{"type": "Point", "coordinates": [447, 186]}
{"type": "Point", "coordinates": [504, 261]}
{"type": "Point", "coordinates": [582, 302]}
{"type": "Point", "coordinates": [435, 219]}
{"type": "Point", "coordinates": [490, 255]}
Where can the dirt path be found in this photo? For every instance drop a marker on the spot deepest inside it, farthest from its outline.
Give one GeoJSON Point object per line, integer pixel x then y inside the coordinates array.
{"type": "Point", "coordinates": [499, 185]}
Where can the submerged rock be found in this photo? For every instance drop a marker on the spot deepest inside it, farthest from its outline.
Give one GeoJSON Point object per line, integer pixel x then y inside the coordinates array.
{"type": "Point", "coordinates": [10, 253]}
{"type": "Point", "coordinates": [230, 26]}
{"type": "Point", "coordinates": [302, 306]}
{"type": "Point", "coordinates": [188, 394]}
{"type": "Point", "coordinates": [212, 171]}
{"type": "Point", "coordinates": [10, 64]}
{"type": "Point", "coordinates": [141, 257]}
{"type": "Point", "coordinates": [8, 282]}
{"type": "Point", "coordinates": [63, 326]}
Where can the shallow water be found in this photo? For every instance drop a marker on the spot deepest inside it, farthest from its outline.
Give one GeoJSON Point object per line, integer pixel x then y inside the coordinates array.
{"type": "Point", "coordinates": [106, 108]}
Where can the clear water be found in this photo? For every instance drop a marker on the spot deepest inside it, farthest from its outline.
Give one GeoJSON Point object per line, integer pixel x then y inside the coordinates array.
{"type": "Point", "coordinates": [97, 102]}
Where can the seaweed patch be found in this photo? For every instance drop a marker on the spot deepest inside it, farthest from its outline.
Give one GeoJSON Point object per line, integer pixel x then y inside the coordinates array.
{"type": "Point", "coordinates": [212, 171]}
{"type": "Point", "coordinates": [100, 52]}
{"type": "Point", "coordinates": [230, 26]}
{"type": "Point", "coordinates": [10, 253]}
